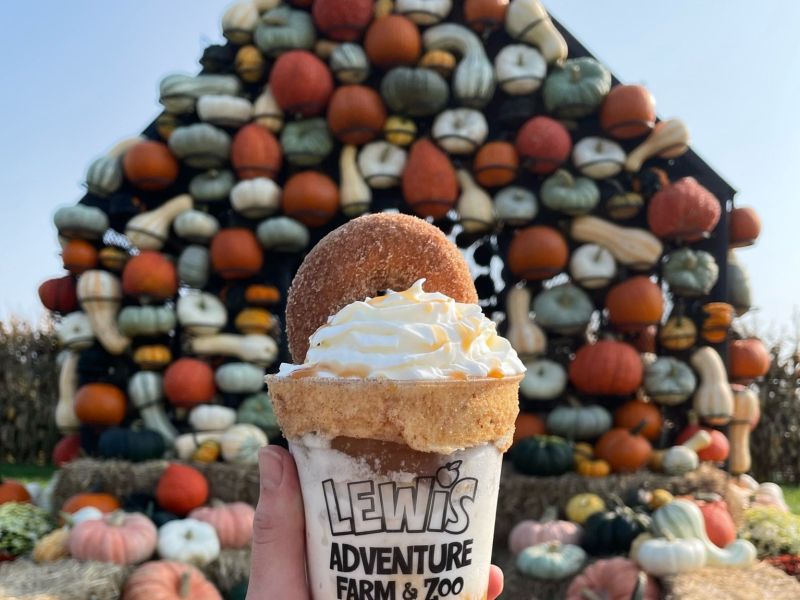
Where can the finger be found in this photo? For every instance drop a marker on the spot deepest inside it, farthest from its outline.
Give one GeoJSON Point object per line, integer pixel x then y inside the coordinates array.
{"type": "Point", "coordinates": [495, 582]}
{"type": "Point", "coordinates": [277, 563]}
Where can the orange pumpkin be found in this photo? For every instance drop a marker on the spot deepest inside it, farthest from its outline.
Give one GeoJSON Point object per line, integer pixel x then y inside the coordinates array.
{"type": "Point", "coordinates": [628, 111]}
{"type": "Point", "coordinates": [606, 368]}
{"type": "Point", "coordinates": [301, 83]}
{"type": "Point", "coordinates": [262, 295]}
{"type": "Point", "coordinates": [188, 382]}
{"type": "Point", "coordinates": [612, 579]}
{"type": "Point", "coordinates": [485, 15]}
{"type": "Point", "coordinates": [429, 181]}
{"type": "Point", "coordinates": [13, 491]}
{"type": "Point", "coordinates": [634, 304]}
{"type": "Point", "coordinates": [236, 253]}
{"type": "Point", "coordinates": [543, 144]}
{"type": "Point", "coordinates": [103, 502]}
{"type": "Point", "coordinates": [58, 294]}
{"type": "Point", "coordinates": [255, 153]}
{"type": "Point", "coordinates": [717, 451]}
{"type": "Point", "coordinates": [744, 227]}
{"type": "Point", "coordinates": [495, 164]}
{"type": "Point", "coordinates": [150, 275]}
{"type": "Point", "coordinates": [720, 526]}
{"type": "Point", "coordinates": [356, 114]}
{"type": "Point", "coordinates": [626, 450]}
{"type": "Point", "coordinates": [537, 252]}
{"type": "Point", "coordinates": [342, 20]}
{"type": "Point", "coordinates": [683, 210]}
{"type": "Point", "coordinates": [392, 41]}
{"type": "Point", "coordinates": [310, 197]}
{"type": "Point", "coordinates": [748, 359]}
{"type": "Point", "coordinates": [528, 424]}
{"type": "Point", "coordinates": [150, 166]}
{"type": "Point", "coordinates": [168, 580]}
{"type": "Point", "coordinates": [634, 412]}
{"type": "Point", "coordinates": [79, 256]}
{"type": "Point", "coordinates": [181, 489]}
{"type": "Point", "coordinates": [100, 404]}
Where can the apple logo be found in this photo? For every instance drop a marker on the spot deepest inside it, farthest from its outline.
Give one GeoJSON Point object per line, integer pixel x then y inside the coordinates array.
{"type": "Point", "coordinates": [448, 474]}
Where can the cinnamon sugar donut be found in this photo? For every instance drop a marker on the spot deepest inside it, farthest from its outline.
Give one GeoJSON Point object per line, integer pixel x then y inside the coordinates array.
{"type": "Point", "coordinates": [364, 257]}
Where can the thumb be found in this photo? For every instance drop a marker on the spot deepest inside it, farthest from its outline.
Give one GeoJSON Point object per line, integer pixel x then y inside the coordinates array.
{"type": "Point", "coordinates": [277, 563]}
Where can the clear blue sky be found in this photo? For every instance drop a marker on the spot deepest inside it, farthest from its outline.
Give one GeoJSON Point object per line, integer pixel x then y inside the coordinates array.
{"type": "Point", "coordinates": [79, 75]}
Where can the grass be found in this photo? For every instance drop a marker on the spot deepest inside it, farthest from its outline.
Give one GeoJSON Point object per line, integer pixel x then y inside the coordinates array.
{"type": "Point", "coordinates": [792, 496]}
{"type": "Point", "coordinates": [27, 473]}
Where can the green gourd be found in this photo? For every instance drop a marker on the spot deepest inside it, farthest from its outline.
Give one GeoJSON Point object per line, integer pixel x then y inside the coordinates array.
{"type": "Point", "coordinates": [179, 92]}
{"type": "Point", "coordinates": [201, 146]}
{"type": "Point", "coordinates": [669, 381]}
{"type": "Point", "coordinates": [564, 309]}
{"type": "Point", "coordinates": [613, 531]}
{"type": "Point", "coordinates": [414, 92]}
{"type": "Point", "coordinates": [578, 422]}
{"type": "Point", "coordinates": [239, 378]}
{"type": "Point", "coordinates": [307, 142]}
{"type": "Point", "coordinates": [257, 410]}
{"type": "Point", "coordinates": [146, 391]}
{"type": "Point", "coordinates": [283, 28]}
{"type": "Point", "coordinates": [212, 186]}
{"type": "Point", "coordinates": [21, 525]}
{"type": "Point", "coordinates": [104, 176]}
{"type": "Point", "coordinates": [552, 560]}
{"type": "Point", "coordinates": [136, 321]}
{"type": "Point", "coordinates": [131, 444]}
{"type": "Point", "coordinates": [570, 195]}
{"type": "Point", "coordinates": [542, 455]}
{"type": "Point", "coordinates": [577, 88]}
{"type": "Point", "coordinates": [81, 221]}
{"type": "Point", "coordinates": [690, 272]}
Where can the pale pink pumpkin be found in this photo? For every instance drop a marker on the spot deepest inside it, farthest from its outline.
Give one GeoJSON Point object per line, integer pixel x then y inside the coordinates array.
{"type": "Point", "coordinates": [121, 538]}
{"type": "Point", "coordinates": [233, 522]}
{"type": "Point", "coordinates": [169, 580]}
{"type": "Point", "coordinates": [613, 579]}
{"type": "Point", "coordinates": [529, 533]}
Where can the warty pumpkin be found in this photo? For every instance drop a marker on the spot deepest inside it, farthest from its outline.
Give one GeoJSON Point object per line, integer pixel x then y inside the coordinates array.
{"type": "Point", "coordinates": [236, 254]}
{"type": "Point", "coordinates": [606, 368]}
{"type": "Point", "coordinates": [748, 359]}
{"type": "Point", "coordinates": [634, 304]}
{"type": "Point", "coordinates": [301, 83]}
{"type": "Point", "coordinates": [150, 276]}
{"type": "Point", "coordinates": [356, 114]}
{"type": "Point", "coordinates": [310, 197]}
{"type": "Point", "coordinates": [543, 145]}
{"type": "Point", "coordinates": [537, 252]}
{"type": "Point", "coordinates": [188, 382]}
{"type": "Point", "coordinates": [684, 210]}
{"type": "Point", "coordinates": [255, 153]}
{"type": "Point", "coordinates": [392, 41]}
{"type": "Point", "coordinates": [342, 20]}
{"type": "Point", "coordinates": [149, 165]}
{"type": "Point", "coordinates": [429, 181]}
{"type": "Point", "coordinates": [100, 404]}
{"type": "Point", "coordinates": [181, 489]}
{"type": "Point", "coordinates": [629, 111]}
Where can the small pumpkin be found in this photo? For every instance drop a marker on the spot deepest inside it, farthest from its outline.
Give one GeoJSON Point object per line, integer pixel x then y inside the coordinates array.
{"type": "Point", "coordinates": [79, 256]}
{"type": "Point", "coordinates": [571, 195]}
{"type": "Point", "coordinates": [613, 579]}
{"type": "Point", "coordinates": [104, 176]}
{"type": "Point", "coordinates": [719, 316]}
{"type": "Point", "coordinates": [441, 61]}
{"type": "Point", "coordinates": [233, 522]}
{"type": "Point", "coordinates": [283, 28]}
{"type": "Point", "coordinates": [211, 186]}
{"type": "Point", "coordinates": [626, 450]}
{"type": "Point", "coordinates": [635, 304]}
{"type": "Point", "coordinates": [211, 417]}
{"type": "Point", "coordinates": [255, 320]}
{"type": "Point", "coordinates": [100, 404]}
{"type": "Point", "coordinates": [678, 333]}
{"type": "Point", "coordinates": [606, 368]}
{"type": "Point", "coordinates": [629, 111]}
{"type": "Point", "coordinates": [564, 309]}
{"type": "Point", "coordinates": [106, 503]}
{"type": "Point", "coordinates": [168, 580]}
{"type": "Point", "coordinates": [255, 198]}
{"type": "Point", "coordinates": [188, 541]}
{"type": "Point", "coordinates": [537, 252]}
{"type": "Point", "coordinates": [349, 63]}
{"type": "Point", "coordinates": [196, 226]}
{"type": "Point", "coordinates": [262, 295]}
{"type": "Point", "coordinates": [201, 313]}
{"type": "Point", "coordinates": [301, 83]}
{"type": "Point", "coordinates": [613, 531]}
{"type": "Point", "coordinates": [669, 381]}
{"type": "Point", "coordinates": [399, 130]}
{"type": "Point", "coordinates": [188, 382]}
{"type": "Point", "coordinates": [236, 254]}
{"type": "Point", "coordinates": [414, 92]}
{"type": "Point", "coordinates": [150, 165]}
{"type": "Point", "coordinates": [748, 359]}
{"type": "Point", "coordinates": [250, 66]}
{"type": "Point", "coordinates": [485, 15]}
{"type": "Point", "coordinates": [150, 276]}
{"type": "Point", "coordinates": [257, 410]}
{"type": "Point", "coordinates": [578, 422]}
{"type": "Point", "coordinates": [194, 266]}
{"type": "Point", "coordinates": [81, 221]}
{"type": "Point", "coordinates": [120, 538]}
{"type": "Point", "coordinates": [306, 142]}
{"type": "Point", "coordinates": [528, 532]}
{"type": "Point", "coordinates": [239, 21]}
{"type": "Point", "coordinates": [207, 452]}
{"type": "Point", "coordinates": [515, 205]}
{"type": "Point", "coordinates": [634, 412]}
{"type": "Point", "coordinates": [179, 92]}
{"type": "Point", "coordinates": [310, 197]}
{"type": "Point", "coordinates": [460, 130]}
{"type": "Point", "coordinates": [392, 41]}
{"type": "Point", "coordinates": [66, 450]}
{"type": "Point", "coordinates": [424, 12]}
{"type": "Point", "coordinates": [255, 153]}
{"type": "Point", "coordinates": [356, 114]}
{"type": "Point", "coordinates": [544, 380]}
{"type": "Point", "coordinates": [592, 266]}
{"type": "Point", "coordinates": [552, 560]}
{"type": "Point", "coordinates": [542, 456]}
{"type": "Point", "coordinates": [429, 181]}
{"type": "Point", "coordinates": [744, 227]}
{"type": "Point", "coordinates": [520, 69]}
{"type": "Point", "coordinates": [577, 88]}
{"type": "Point", "coordinates": [495, 164]}
{"type": "Point", "coordinates": [200, 145]}
{"type": "Point", "coordinates": [598, 158]}
{"type": "Point", "coordinates": [543, 145]}
{"type": "Point", "coordinates": [381, 164]}
{"type": "Point", "coordinates": [282, 234]}
{"type": "Point", "coordinates": [582, 506]}
{"type": "Point", "coordinates": [181, 489]}
{"type": "Point", "coordinates": [131, 444]}
{"type": "Point", "coordinates": [593, 468]}
{"type": "Point", "coordinates": [225, 111]}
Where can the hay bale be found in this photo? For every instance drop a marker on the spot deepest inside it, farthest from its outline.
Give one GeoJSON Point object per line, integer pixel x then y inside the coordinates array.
{"type": "Point", "coordinates": [64, 579]}
{"type": "Point", "coordinates": [522, 496]}
{"type": "Point", "coordinates": [229, 569]}
{"type": "Point", "coordinates": [761, 582]}
{"type": "Point", "coordinates": [227, 482]}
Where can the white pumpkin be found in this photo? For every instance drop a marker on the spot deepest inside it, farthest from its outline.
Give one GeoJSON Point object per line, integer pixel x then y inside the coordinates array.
{"type": "Point", "coordinates": [598, 158]}
{"type": "Point", "coordinates": [211, 417]}
{"type": "Point", "coordinates": [256, 198]}
{"type": "Point", "coordinates": [592, 266]}
{"type": "Point", "coordinates": [87, 513]}
{"type": "Point", "coordinates": [196, 226]}
{"type": "Point", "coordinates": [424, 12]}
{"type": "Point", "coordinates": [240, 444]}
{"type": "Point", "coordinates": [544, 380]}
{"type": "Point", "coordinates": [460, 130]}
{"type": "Point", "coordinates": [267, 112]}
{"type": "Point", "coordinates": [201, 313]}
{"type": "Point", "coordinates": [239, 21]}
{"type": "Point", "coordinates": [189, 541]}
{"type": "Point", "coordinates": [520, 69]}
{"type": "Point", "coordinates": [662, 557]}
{"type": "Point", "coordinates": [515, 205]}
{"type": "Point", "coordinates": [75, 331]}
{"type": "Point", "coordinates": [679, 460]}
{"type": "Point", "coordinates": [283, 234]}
{"type": "Point", "coordinates": [381, 164]}
{"type": "Point", "coordinates": [225, 111]}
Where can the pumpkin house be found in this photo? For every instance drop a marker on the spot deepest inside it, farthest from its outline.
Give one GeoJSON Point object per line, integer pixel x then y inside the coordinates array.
{"type": "Point", "coordinates": [601, 243]}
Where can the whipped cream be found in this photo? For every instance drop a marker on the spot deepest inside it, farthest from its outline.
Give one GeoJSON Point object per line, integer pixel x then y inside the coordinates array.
{"type": "Point", "coordinates": [409, 335]}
